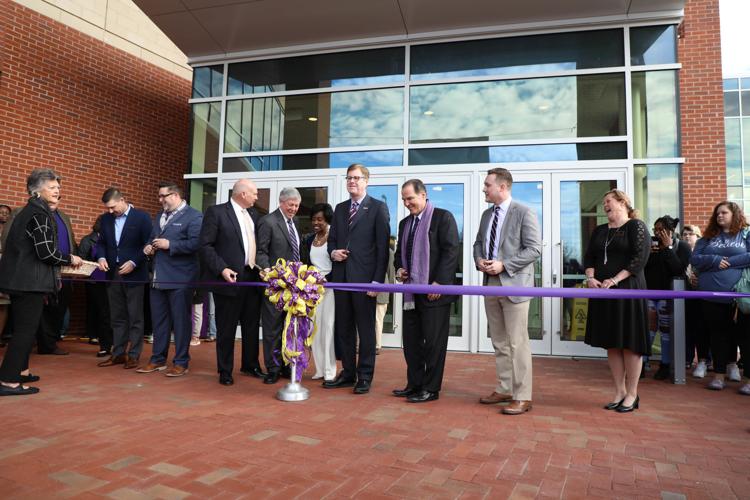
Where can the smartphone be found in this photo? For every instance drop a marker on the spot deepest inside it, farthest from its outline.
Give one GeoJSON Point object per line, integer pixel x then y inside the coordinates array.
{"type": "Point", "coordinates": [654, 242]}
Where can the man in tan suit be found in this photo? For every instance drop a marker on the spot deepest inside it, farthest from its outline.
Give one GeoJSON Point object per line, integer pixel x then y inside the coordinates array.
{"type": "Point", "coordinates": [507, 245]}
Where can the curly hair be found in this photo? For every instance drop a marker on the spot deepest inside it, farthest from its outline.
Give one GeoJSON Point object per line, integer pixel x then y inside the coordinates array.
{"type": "Point", "coordinates": [738, 220]}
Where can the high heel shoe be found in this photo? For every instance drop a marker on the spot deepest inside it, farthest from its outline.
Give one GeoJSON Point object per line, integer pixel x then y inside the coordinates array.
{"type": "Point", "coordinates": [613, 406]}
{"type": "Point", "coordinates": [627, 409]}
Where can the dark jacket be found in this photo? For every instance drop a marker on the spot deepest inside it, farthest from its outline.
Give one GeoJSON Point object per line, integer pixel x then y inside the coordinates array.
{"type": "Point", "coordinates": [444, 252]}
{"type": "Point", "coordinates": [135, 235]}
{"type": "Point", "coordinates": [665, 264]}
{"type": "Point", "coordinates": [180, 262]}
{"type": "Point", "coordinates": [31, 252]}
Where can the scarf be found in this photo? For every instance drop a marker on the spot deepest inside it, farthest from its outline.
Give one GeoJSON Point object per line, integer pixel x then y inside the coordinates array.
{"type": "Point", "coordinates": [419, 268]}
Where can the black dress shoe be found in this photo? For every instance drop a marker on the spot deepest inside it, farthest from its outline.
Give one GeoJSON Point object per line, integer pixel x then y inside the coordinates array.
{"type": "Point", "coordinates": [271, 378]}
{"type": "Point", "coordinates": [29, 378]}
{"type": "Point", "coordinates": [339, 381]}
{"type": "Point", "coordinates": [226, 379]}
{"type": "Point", "coordinates": [423, 397]}
{"type": "Point", "coordinates": [362, 387]}
{"type": "Point", "coordinates": [404, 393]}
{"type": "Point", "coordinates": [19, 390]}
{"type": "Point", "coordinates": [613, 406]}
{"type": "Point", "coordinates": [56, 352]}
{"type": "Point", "coordinates": [254, 372]}
{"type": "Point", "coordinates": [628, 409]}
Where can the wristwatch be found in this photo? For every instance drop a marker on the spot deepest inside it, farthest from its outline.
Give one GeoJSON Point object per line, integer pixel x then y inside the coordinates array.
{"type": "Point", "coordinates": [670, 247]}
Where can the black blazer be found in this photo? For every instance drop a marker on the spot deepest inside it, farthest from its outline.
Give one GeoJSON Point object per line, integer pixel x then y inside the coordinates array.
{"type": "Point", "coordinates": [136, 234]}
{"type": "Point", "coordinates": [220, 246]}
{"type": "Point", "coordinates": [272, 234]}
{"type": "Point", "coordinates": [366, 239]}
{"type": "Point", "coordinates": [444, 252]}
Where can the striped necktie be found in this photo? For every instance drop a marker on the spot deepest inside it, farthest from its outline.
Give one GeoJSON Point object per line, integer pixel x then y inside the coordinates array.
{"type": "Point", "coordinates": [410, 243]}
{"type": "Point", "coordinates": [493, 234]}
{"type": "Point", "coordinates": [353, 211]}
{"type": "Point", "coordinates": [293, 240]}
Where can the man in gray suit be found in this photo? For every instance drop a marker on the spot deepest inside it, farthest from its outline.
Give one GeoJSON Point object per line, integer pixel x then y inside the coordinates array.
{"type": "Point", "coordinates": [507, 245]}
{"type": "Point", "coordinates": [278, 238]}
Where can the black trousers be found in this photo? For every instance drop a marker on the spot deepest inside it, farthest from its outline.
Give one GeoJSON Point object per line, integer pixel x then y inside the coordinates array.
{"type": "Point", "coordinates": [696, 331]}
{"type": "Point", "coordinates": [273, 324]}
{"type": "Point", "coordinates": [97, 315]}
{"type": "Point", "coordinates": [243, 308]}
{"type": "Point", "coordinates": [723, 333]}
{"type": "Point", "coordinates": [126, 313]}
{"type": "Point", "coordinates": [27, 312]}
{"type": "Point", "coordinates": [53, 316]}
{"type": "Point", "coordinates": [355, 315]}
{"type": "Point", "coordinates": [425, 344]}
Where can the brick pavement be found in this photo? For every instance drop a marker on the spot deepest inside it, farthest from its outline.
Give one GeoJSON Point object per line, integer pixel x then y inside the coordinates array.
{"type": "Point", "coordinates": [106, 432]}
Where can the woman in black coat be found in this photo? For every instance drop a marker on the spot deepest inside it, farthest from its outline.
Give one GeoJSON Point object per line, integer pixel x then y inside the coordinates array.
{"type": "Point", "coordinates": [29, 270]}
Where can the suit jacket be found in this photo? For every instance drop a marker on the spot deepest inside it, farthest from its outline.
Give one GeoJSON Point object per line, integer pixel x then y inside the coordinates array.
{"type": "Point", "coordinates": [221, 245]}
{"type": "Point", "coordinates": [180, 261]}
{"type": "Point", "coordinates": [366, 239]}
{"type": "Point", "coordinates": [135, 235]}
{"type": "Point", "coordinates": [273, 239]}
{"type": "Point", "coordinates": [444, 252]}
{"type": "Point", "coordinates": [520, 246]}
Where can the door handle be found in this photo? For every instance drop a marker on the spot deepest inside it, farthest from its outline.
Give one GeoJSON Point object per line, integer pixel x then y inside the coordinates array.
{"type": "Point", "coordinates": [555, 273]}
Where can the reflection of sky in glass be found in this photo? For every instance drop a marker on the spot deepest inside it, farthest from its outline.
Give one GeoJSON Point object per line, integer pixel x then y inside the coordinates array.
{"type": "Point", "coordinates": [370, 80]}
{"type": "Point", "coordinates": [449, 197]}
{"type": "Point", "coordinates": [531, 195]}
{"type": "Point", "coordinates": [389, 195]}
{"type": "Point", "coordinates": [538, 152]}
{"type": "Point", "coordinates": [500, 70]}
{"type": "Point", "coordinates": [516, 109]}
{"type": "Point", "coordinates": [367, 118]}
{"type": "Point", "coordinates": [658, 120]}
{"type": "Point", "coordinates": [663, 192]}
{"type": "Point", "coordinates": [650, 49]}
{"type": "Point", "coordinates": [733, 151]}
{"type": "Point", "coordinates": [570, 220]}
{"type": "Point", "coordinates": [390, 158]}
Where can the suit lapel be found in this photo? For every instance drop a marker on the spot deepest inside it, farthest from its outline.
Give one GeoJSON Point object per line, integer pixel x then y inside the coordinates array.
{"type": "Point", "coordinates": [236, 223]}
{"type": "Point", "coordinates": [507, 222]}
{"type": "Point", "coordinates": [171, 219]}
{"type": "Point", "coordinates": [361, 211]}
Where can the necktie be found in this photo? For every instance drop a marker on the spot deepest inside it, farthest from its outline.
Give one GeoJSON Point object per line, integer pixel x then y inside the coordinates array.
{"type": "Point", "coordinates": [247, 221]}
{"type": "Point", "coordinates": [410, 242]}
{"type": "Point", "coordinates": [353, 211]}
{"type": "Point", "coordinates": [493, 233]}
{"type": "Point", "coordinates": [293, 240]}
{"type": "Point", "coordinates": [164, 219]}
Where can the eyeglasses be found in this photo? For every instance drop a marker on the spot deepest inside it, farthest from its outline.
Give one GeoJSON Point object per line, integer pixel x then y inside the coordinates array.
{"type": "Point", "coordinates": [162, 196]}
{"type": "Point", "coordinates": [355, 178]}
{"type": "Point", "coordinates": [687, 233]}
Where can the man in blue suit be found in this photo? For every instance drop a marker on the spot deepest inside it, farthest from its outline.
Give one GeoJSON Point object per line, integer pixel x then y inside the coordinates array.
{"type": "Point", "coordinates": [125, 231]}
{"type": "Point", "coordinates": [174, 249]}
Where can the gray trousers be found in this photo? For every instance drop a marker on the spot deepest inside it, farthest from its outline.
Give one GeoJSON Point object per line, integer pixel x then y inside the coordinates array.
{"type": "Point", "coordinates": [126, 315]}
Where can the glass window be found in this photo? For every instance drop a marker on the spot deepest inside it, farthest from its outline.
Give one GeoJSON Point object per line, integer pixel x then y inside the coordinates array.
{"type": "Point", "coordinates": [205, 121]}
{"type": "Point", "coordinates": [745, 102]}
{"type": "Point", "coordinates": [733, 146]}
{"type": "Point", "coordinates": [744, 83]}
{"type": "Point", "coordinates": [731, 104]}
{"type": "Point", "coordinates": [745, 150]}
{"type": "Point", "coordinates": [734, 193]}
{"type": "Point", "coordinates": [657, 191]}
{"type": "Point", "coordinates": [655, 130]}
{"type": "Point", "coordinates": [338, 119]}
{"type": "Point", "coordinates": [389, 158]}
{"type": "Point", "coordinates": [517, 154]}
{"type": "Point", "coordinates": [208, 81]}
{"type": "Point", "coordinates": [653, 45]}
{"type": "Point", "coordinates": [731, 84]}
{"type": "Point", "coordinates": [363, 67]}
{"type": "Point", "coordinates": [557, 107]}
{"type": "Point", "coordinates": [201, 193]}
{"type": "Point", "coordinates": [310, 196]}
{"type": "Point", "coordinates": [527, 54]}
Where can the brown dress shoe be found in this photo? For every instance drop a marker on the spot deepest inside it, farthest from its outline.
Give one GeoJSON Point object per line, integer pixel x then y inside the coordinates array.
{"type": "Point", "coordinates": [150, 368]}
{"type": "Point", "coordinates": [495, 398]}
{"type": "Point", "coordinates": [131, 363]}
{"type": "Point", "coordinates": [177, 371]}
{"type": "Point", "coordinates": [113, 360]}
{"type": "Point", "coordinates": [517, 407]}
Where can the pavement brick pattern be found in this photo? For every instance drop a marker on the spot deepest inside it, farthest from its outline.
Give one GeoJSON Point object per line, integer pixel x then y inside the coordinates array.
{"type": "Point", "coordinates": [110, 433]}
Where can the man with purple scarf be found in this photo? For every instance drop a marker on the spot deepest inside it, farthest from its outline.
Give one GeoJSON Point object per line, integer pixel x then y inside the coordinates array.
{"type": "Point", "coordinates": [427, 253]}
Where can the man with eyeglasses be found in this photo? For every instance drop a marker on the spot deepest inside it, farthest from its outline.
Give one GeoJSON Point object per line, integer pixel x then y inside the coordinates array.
{"type": "Point", "coordinates": [358, 245]}
{"type": "Point", "coordinates": [125, 231]}
{"type": "Point", "coordinates": [174, 251]}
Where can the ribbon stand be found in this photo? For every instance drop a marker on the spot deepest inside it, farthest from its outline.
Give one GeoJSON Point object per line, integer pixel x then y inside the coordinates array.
{"type": "Point", "coordinates": [293, 391]}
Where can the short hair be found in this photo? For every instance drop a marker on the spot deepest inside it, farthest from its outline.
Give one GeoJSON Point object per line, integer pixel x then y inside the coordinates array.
{"type": "Point", "coordinates": [669, 222]}
{"type": "Point", "coordinates": [623, 198]}
{"type": "Point", "coordinates": [323, 208]}
{"type": "Point", "coordinates": [112, 193]}
{"type": "Point", "coordinates": [361, 168]}
{"type": "Point", "coordinates": [6, 206]}
{"type": "Point", "coordinates": [38, 177]}
{"type": "Point", "coordinates": [172, 187]}
{"type": "Point", "coordinates": [501, 175]}
{"type": "Point", "coordinates": [692, 227]}
{"type": "Point", "coordinates": [738, 220]}
{"type": "Point", "coordinates": [416, 184]}
{"type": "Point", "coordinates": [289, 193]}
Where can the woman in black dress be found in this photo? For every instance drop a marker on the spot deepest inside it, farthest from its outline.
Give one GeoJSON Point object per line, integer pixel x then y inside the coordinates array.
{"type": "Point", "coordinates": [617, 253]}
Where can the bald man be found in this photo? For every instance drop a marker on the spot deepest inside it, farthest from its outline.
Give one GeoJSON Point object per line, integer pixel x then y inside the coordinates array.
{"type": "Point", "coordinates": [227, 253]}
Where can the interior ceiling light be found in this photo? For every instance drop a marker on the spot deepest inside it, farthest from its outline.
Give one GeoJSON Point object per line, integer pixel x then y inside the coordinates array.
{"type": "Point", "coordinates": [312, 118]}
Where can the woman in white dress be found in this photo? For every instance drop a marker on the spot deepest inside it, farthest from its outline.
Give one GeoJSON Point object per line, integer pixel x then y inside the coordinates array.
{"type": "Point", "coordinates": [315, 252]}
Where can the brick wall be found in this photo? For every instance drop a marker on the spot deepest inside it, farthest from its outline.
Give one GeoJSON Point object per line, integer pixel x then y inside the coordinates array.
{"type": "Point", "coordinates": [702, 111]}
{"type": "Point", "coordinates": [96, 114]}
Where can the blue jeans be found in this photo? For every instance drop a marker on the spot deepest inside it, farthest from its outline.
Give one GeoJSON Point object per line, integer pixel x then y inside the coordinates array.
{"type": "Point", "coordinates": [663, 310]}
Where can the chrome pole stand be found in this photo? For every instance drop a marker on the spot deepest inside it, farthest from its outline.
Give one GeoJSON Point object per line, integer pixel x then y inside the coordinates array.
{"type": "Point", "coordinates": [293, 391]}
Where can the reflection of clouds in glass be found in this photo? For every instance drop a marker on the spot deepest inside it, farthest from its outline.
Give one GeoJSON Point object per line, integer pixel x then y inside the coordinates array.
{"type": "Point", "coordinates": [518, 109]}
{"type": "Point", "coordinates": [449, 197]}
{"type": "Point", "coordinates": [570, 219]}
{"type": "Point", "coordinates": [506, 70]}
{"type": "Point", "coordinates": [388, 194]}
{"type": "Point", "coordinates": [662, 183]}
{"type": "Point", "coordinates": [389, 158]}
{"type": "Point", "coordinates": [366, 118]}
{"type": "Point", "coordinates": [661, 109]}
{"type": "Point", "coordinates": [537, 152]}
{"type": "Point", "coordinates": [371, 80]}
{"type": "Point", "coordinates": [531, 195]}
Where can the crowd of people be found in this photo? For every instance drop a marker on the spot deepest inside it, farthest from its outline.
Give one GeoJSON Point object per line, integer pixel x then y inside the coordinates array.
{"type": "Point", "coordinates": [146, 269]}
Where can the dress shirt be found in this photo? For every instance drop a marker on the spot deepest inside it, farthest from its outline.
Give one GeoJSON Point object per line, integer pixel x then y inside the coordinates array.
{"type": "Point", "coordinates": [120, 223]}
{"type": "Point", "coordinates": [238, 211]}
{"type": "Point", "coordinates": [500, 220]}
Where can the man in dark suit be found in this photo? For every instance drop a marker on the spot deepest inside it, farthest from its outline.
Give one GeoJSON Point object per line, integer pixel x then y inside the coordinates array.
{"type": "Point", "coordinates": [227, 253]}
{"type": "Point", "coordinates": [358, 245]}
{"type": "Point", "coordinates": [174, 250]}
{"type": "Point", "coordinates": [125, 231]}
{"type": "Point", "coordinates": [278, 238]}
{"type": "Point", "coordinates": [427, 253]}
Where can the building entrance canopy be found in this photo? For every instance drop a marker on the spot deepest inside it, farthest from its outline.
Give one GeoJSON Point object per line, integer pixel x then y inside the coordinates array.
{"type": "Point", "coordinates": [205, 29]}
